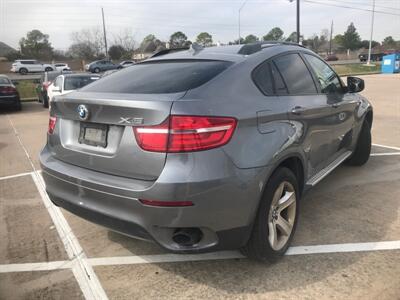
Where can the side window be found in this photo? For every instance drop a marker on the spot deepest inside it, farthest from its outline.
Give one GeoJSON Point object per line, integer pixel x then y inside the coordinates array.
{"type": "Point", "coordinates": [295, 74]}
{"type": "Point", "coordinates": [327, 78]}
{"type": "Point", "coordinates": [280, 87]}
{"type": "Point", "coordinates": [58, 82]}
{"type": "Point", "coordinates": [263, 78]}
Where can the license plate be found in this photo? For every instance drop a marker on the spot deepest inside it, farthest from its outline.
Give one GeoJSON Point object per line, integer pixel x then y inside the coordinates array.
{"type": "Point", "coordinates": [93, 134]}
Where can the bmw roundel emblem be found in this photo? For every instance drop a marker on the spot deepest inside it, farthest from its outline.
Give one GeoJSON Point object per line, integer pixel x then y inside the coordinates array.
{"type": "Point", "coordinates": [83, 112]}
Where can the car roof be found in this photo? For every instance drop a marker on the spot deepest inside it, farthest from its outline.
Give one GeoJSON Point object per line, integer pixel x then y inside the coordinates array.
{"type": "Point", "coordinates": [233, 53]}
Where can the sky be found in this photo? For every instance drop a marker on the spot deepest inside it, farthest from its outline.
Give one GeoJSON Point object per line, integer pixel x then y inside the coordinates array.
{"type": "Point", "coordinates": [59, 18]}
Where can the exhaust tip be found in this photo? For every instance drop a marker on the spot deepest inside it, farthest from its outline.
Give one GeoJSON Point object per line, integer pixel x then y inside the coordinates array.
{"type": "Point", "coordinates": [187, 237]}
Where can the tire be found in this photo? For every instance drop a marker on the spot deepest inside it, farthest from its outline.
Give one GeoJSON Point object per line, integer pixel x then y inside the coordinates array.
{"type": "Point", "coordinates": [23, 71]}
{"type": "Point", "coordinates": [18, 106]}
{"type": "Point", "coordinates": [96, 70]}
{"type": "Point", "coordinates": [46, 102]}
{"type": "Point", "coordinates": [259, 246]}
{"type": "Point", "coordinates": [48, 69]}
{"type": "Point", "coordinates": [363, 148]}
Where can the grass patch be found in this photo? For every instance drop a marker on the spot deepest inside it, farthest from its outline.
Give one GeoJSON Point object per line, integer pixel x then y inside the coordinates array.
{"type": "Point", "coordinates": [357, 69]}
{"type": "Point", "coordinates": [27, 89]}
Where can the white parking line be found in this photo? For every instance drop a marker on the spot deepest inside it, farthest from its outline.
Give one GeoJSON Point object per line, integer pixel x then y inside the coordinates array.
{"type": "Point", "coordinates": [83, 272]}
{"type": "Point", "coordinates": [385, 154]}
{"type": "Point", "coordinates": [388, 147]}
{"type": "Point", "coordinates": [29, 267]}
{"type": "Point", "coordinates": [15, 176]}
{"type": "Point", "coordinates": [222, 255]}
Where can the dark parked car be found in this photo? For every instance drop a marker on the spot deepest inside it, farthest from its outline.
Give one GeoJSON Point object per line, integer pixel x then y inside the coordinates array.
{"type": "Point", "coordinates": [206, 149]}
{"type": "Point", "coordinates": [9, 96]}
{"type": "Point", "coordinates": [374, 56]}
{"type": "Point", "coordinates": [331, 57]}
{"type": "Point", "coordinates": [100, 66]}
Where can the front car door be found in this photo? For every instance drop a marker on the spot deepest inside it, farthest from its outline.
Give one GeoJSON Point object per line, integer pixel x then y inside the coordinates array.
{"type": "Point", "coordinates": [344, 104]}
{"type": "Point", "coordinates": [308, 108]}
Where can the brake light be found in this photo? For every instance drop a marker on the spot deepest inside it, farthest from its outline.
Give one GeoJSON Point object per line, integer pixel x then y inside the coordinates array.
{"type": "Point", "coordinates": [46, 84]}
{"type": "Point", "coordinates": [186, 134]}
{"type": "Point", "coordinates": [52, 124]}
{"type": "Point", "coordinates": [8, 90]}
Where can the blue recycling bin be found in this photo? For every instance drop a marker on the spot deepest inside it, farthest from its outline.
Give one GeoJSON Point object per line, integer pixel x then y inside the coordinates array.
{"type": "Point", "coordinates": [391, 63]}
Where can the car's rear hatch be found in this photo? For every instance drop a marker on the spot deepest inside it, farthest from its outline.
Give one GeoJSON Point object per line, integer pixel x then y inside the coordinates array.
{"type": "Point", "coordinates": [141, 95]}
{"type": "Point", "coordinates": [111, 115]}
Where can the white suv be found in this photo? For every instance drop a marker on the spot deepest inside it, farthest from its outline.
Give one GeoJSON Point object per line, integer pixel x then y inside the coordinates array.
{"type": "Point", "coordinates": [24, 66]}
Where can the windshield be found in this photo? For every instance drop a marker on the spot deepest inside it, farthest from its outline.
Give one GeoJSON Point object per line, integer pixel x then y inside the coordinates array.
{"type": "Point", "coordinates": [4, 80]}
{"type": "Point", "coordinates": [77, 82]}
{"type": "Point", "coordinates": [160, 77]}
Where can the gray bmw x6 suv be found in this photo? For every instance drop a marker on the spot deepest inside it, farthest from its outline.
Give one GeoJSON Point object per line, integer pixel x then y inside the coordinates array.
{"type": "Point", "coordinates": [206, 149]}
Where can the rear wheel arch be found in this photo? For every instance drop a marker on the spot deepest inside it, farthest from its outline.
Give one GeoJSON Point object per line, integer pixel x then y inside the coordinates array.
{"type": "Point", "coordinates": [295, 164]}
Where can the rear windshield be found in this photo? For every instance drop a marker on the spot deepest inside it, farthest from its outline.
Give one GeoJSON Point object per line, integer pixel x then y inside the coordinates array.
{"type": "Point", "coordinates": [77, 82]}
{"type": "Point", "coordinates": [4, 80]}
{"type": "Point", "coordinates": [160, 77]}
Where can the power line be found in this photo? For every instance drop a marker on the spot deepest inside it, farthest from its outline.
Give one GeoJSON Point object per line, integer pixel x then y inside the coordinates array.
{"type": "Point", "coordinates": [346, 2]}
{"type": "Point", "coordinates": [351, 7]}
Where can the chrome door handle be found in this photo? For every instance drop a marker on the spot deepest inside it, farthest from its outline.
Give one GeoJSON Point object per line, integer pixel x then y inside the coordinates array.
{"type": "Point", "coordinates": [298, 110]}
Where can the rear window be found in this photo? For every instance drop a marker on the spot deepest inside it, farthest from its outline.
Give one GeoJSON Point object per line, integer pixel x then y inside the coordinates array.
{"type": "Point", "coordinates": [160, 77]}
{"type": "Point", "coordinates": [74, 83]}
{"type": "Point", "coordinates": [4, 80]}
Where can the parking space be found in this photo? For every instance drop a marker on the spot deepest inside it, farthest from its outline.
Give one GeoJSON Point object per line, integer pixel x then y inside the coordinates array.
{"type": "Point", "coordinates": [353, 213]}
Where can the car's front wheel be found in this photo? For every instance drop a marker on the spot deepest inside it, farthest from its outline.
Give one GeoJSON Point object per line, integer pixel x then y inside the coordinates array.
{"type": "Point", "coordinates": [96, 70]}
{"type": "Point", "coordinates": [276, 219]}
{"type": "Point", "coordinates": [48, 69]}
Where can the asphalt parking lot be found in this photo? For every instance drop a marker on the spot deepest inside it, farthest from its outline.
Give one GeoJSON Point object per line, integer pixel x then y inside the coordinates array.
{"type": "Point", "coordinates": [347, 243]}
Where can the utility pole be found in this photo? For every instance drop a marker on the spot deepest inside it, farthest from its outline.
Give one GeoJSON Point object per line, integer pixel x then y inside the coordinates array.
{"type": "Point", "coordinates": [240, 9]}
{"type": "Point", "coordinates": [297, 20]}
{"type": "Point", "coordinates": [330, 40]}
{"type": "Point", "coordinates": [104, 32]}
{"type": "Point", "coordinates": [372, 30]}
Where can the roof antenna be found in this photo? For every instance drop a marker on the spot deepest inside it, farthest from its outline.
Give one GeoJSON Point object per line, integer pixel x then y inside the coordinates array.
{"type": "Point", "coordinates": [196, 47]}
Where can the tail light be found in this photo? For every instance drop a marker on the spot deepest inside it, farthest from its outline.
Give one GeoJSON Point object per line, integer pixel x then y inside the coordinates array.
{"type": "Point", "coordinates": [52, 124]}
{"type": "Point", "coordinates": [186, 134]}
{"type": "Point", "coordinates": [46, 84]}
{"type": "Point", "coordinates": [8, 90]}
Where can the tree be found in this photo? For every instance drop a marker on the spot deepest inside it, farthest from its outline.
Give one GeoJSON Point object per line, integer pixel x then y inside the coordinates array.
{"type": "Point", "coordinates": [36, 44]}
{"type": "Point", "coordinates": [275, 34]}
{"type": "Point", "coordinates": [116, 52]}
{"type": "Point", "coordinates": [125, 39]}
{"type": "Point", "coordinates": [204, 39]}
{"type": "Point", "coordinates": [251, 38]}
{"type": "Point", "coordinates": [178, 39]}
{"type": "Point", "coordinates": [150, 44]}
{"type": "Point", "coordinates": [87, 44]}
{"type": "Point", "coordinates": [389, 42]}
{"type": "Point", "coordinates": [292, 37]}
{"type": "Point", "coordinates": [365, 44]}
{"type": "Point", "coordinates": [351, 39]}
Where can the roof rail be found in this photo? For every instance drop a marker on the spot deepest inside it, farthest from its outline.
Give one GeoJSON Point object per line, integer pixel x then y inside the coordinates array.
{"type": "Point", "coordinates": [168, 51]}
{"type": "Point", "coordinates": [251, 48]}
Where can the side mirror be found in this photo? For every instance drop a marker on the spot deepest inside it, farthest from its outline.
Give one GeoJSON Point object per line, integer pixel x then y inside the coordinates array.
{"type": "Point", "coordinates": [15, 82]}
{"type": "Point", "coordinates": [355, 84]}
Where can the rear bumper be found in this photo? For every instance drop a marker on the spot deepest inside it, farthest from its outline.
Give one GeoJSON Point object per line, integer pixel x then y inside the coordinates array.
{"type": "Point", "coordinates": [223, 210]}
{"type": "Point", "coordinates": [9, 101]}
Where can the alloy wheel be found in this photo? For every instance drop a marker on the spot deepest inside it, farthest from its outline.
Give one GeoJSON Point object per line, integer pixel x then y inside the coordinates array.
{"type": "Point", "coordinates": [281, 215]}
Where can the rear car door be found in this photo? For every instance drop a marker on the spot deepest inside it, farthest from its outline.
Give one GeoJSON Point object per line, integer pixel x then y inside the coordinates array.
{"type": "Point", "coordinates": [344, 104]}
{"type": "Point", "coordinates": [306, 106]}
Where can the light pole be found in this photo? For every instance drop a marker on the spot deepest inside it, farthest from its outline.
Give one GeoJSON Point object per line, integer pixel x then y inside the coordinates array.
{"type": "Point", "coordinates": [372, 30]}
{"type": "Point", "coordinates": [104, 32]}
{"type": "Point", "coordinates": [240, 9]}
{"type": "Point", "coordinates": [297, 20]}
